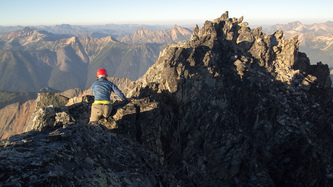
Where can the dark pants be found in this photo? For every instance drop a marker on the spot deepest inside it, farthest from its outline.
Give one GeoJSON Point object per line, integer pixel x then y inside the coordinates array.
{"type": "Point", "coordinates": [100, 110]}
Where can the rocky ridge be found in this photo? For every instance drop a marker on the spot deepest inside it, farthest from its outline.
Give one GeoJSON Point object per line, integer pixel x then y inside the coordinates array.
{"type": "Point", "coordinates": [15, 117]}
{"type": "Point", "coordinates": [232, 106]}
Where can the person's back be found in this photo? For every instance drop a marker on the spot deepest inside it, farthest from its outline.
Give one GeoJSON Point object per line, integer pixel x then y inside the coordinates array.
{"type": "Point", "coordinates": [102, 89]}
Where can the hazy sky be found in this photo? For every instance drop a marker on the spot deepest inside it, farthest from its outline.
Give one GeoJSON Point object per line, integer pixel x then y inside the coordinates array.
{"type": "Point", "coordinates": [96, 12]}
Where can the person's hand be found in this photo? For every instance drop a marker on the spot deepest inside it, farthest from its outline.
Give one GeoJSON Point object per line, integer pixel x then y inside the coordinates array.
{"type": "Point", "coordinates": [130, 99]}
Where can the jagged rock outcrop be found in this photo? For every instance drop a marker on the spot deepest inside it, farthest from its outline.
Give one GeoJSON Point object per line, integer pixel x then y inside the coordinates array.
{"type": "Point", "coordinates": [45, 100]}
{"type": "Point", "coordinates": [16, 118]}
{"type": "Point", "coordinates": [232, 106]}
{"type": "Point", "coordinates": [235, 105]}
{"type": "Point", "coordinates": [19, 117]}
{"type": "Point", "coordinates": [60, 112]}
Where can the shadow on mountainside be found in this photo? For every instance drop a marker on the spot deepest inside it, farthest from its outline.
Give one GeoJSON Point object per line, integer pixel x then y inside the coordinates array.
{"type": "Point", "coordinates": [243, 130]}
{"type": "Point", "coordinates": [236, 117]}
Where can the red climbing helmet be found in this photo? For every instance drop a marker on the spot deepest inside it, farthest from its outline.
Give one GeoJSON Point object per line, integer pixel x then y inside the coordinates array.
{"type": "Point", "coordinates": [101, 73]}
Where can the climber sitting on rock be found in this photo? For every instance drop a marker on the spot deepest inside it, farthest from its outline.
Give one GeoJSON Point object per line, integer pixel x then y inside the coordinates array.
{"type": "Point", "coordinates": [102, 88]}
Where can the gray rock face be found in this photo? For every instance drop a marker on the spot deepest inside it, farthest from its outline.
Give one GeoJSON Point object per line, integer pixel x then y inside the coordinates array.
{"type": "Point", "coordinates": [77, 155]}
{"type": "Point", "coordinates": [232, 106]}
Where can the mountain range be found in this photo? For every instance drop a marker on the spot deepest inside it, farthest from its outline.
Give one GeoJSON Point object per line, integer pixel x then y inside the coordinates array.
{"type": "Point", "coordinates": [114, 30]}
{"type": "Point", "coordinates": [66, 56]}
{"type": "Point", "coordinates": [316, 40]}
{"type": "Point", "coordinates": [32, 59]}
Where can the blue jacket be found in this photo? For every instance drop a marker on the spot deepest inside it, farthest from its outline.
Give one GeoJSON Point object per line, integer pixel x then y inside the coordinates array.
{"type": "Point", "coordinates": [102, 90]}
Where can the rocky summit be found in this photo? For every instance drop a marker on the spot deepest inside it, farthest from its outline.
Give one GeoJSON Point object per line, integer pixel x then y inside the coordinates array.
{"type": "Point", "coordinates": [231, 107]}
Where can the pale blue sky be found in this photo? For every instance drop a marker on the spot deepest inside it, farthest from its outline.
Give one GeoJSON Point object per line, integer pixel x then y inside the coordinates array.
{"type": "Point", "coordinates": [96, 12]}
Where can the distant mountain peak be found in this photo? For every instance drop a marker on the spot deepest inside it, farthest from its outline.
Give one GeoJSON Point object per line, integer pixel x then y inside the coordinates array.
{"type": "Point", "coordinates": [175, 34]}
{"type": "Point", "coordinates": [27, 31]}
{"type": "Point", "coordinates": [24, 36]}
{"type": "Point", "coordinates": [329, 23]}
{"type": "Point", "coordinates": [316, 40]}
